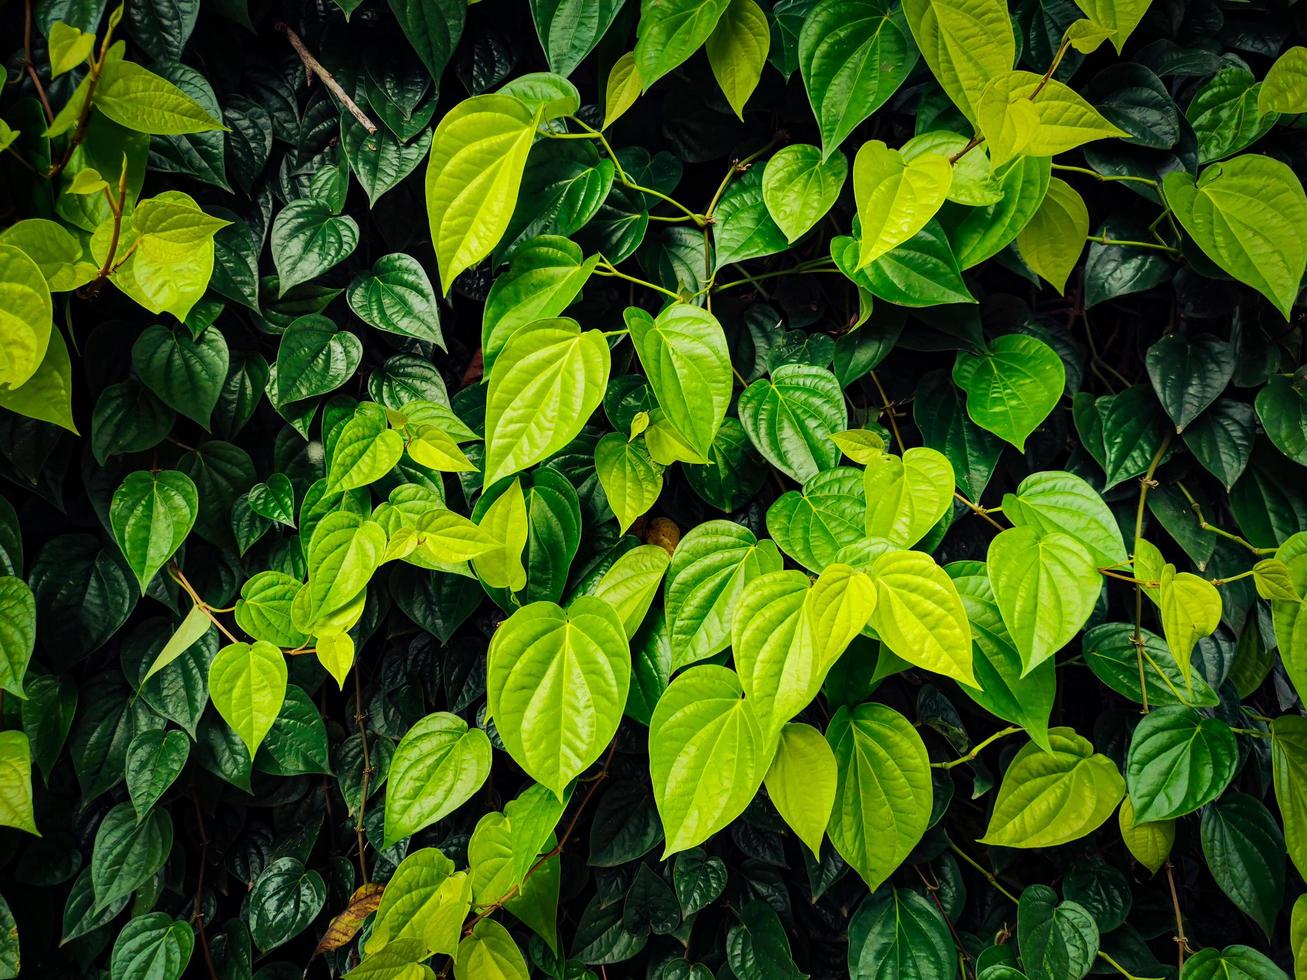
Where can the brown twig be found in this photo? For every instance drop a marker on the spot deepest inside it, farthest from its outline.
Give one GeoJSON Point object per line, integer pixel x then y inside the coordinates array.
{"type": "Point", "coordinates": [198, 914]}
{"type": "Point", "coordinates": [29, 66]}
{"type": "Point", "coordinates": [367, 774]}
{"type": "Point", "coordinates": [1181, 943]}
{"type": "Point", "coordinates": [312, 64]}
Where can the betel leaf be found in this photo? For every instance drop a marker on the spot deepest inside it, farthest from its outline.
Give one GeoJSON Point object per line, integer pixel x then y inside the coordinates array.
{"type": "Point", "coordinates": [17, 632]}
{"type": "Point", "coordinates": [1242, 213]}
{"type": "Point", "coordinates": [895, 197]}
{"type": "Point", "coordinates": [705, 755]}
{"type": "Point", "coordinates": [883, 797]}
{"type": "Point", "coordinates": [478, 154]}
{"type": "Point", "coordinates": [308, 239]}
{"type": "Point", "coordinates": [907, 495]}
{"type": "Point", "coordinates": [802, 782]}
{"type": "Point", "coordinates": [25, 316]}
{"type": "Point", "coordinates": [1060, 501]}
{"type": "Point", "coordinates": [569, 29]}
{"type": "Point", "coordinates": [631, 480]}
{"type": "Point", "coordinates": [737, 51]}
{"type": "Point", "coordinates": [1281, 89]}
{"type": "Point", "coordinates": [853, 56]}
{"type": "Point", "coordinates": [557, 681]}
{"type": "Point", "coordinates": [919, 614]}
{"type": "Point", "coordinates": [547, 381]}
{"type": "Point", "coordinates": [247, 682]}
{"type": "Point", "coordinates": [1012, 387]}
{"type": "Point", "coordinates": [790, 417]}
{"type": "Point", "coordinates": [396, 296]}
{"type": "Point", "coordinates": [151, 514]}
{"type": "Point", "coordinates": [437, 766]}
{"type": "Point", "coordinates": [1045, 585]}
{"type": "Point", "coordinates": [799, 187]}
{"type": "Point", "coordinates": [1023, 113]}
{"type": "Point", "coordinates": [742, 225]}
{"type": "Point", "coordinates": [16, 809]}
{"type": "Point", "coordinates": [1244, 849]}
{"type": "Point", "coordinates": [1178, 762]}
{"type": "Point", "coordinates": [965, 43]}
{"type": "Point", "coordinates": [187, 373]}
{"type": "Point", "coordinates": [1234, 963]}
{"type": "Point", "coordinates": [1054, 237]}
{"type": "Point", "coordinates": [1282, 410]}
{"type": "Point", "coordinates": [1057, 939]}
{"type": "Point", "coordinates": [1053, 797]}
{"type": "Point", "coordinates": [1189, 374]}
{"type": "Point", "coordinates": [153, 945]}
{"type": "Point", "coordinates": [433, 28]}
{"type": "Point", "coordinates": [813, 526]}
{"type": "Point", "coordinates": [670, 31]}
{"type": "Point", "coordinates": [127, 851]}
{"type": "Point", "coordinates": [900, 933]}
{"type": "Point", "coordinates": [685, 357]}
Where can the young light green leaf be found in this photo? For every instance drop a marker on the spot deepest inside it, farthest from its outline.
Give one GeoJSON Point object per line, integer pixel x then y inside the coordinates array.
{"type": "Point", "coordinates": [965, 42]}
{"type": "Point", "coordinates": [437, 767]}
{"type": "Point", "coordinates": [247, 682]}
{"type": "Point", "coordinates": [631, 583]}
{"type": "Point", "coordinates": [705, 755]}
{"type": "Point", "coordinates": [737, 51]}
{"type": "Point", "coordinates": [489, 952]}
{"type": "Point", "coordinates": [631, 480]}
{"type": "Point", "coordinates": [1012, 387]}
{"type": "Point", "coordinates": [17, 632]}
{"type": "Point", "coordinates": [1022, 113]}
{"type": "Point", "coordinates": [1051, 798]}
{"type": "Point", "coordinates": [545, 275]}
{"type": "Point", "coordinates": [670, 31]}
{"type": "Point", "coordinates": [883, 796]}
{"type": "Point", "coordinates": [799, 187]}
{"type": "Point", "coordinates": [138, 99]}
{"type": "Point", "coordinates": [1191, 610]}
{"type": "Point", "coordinates": [363, 449]}
{"type": "Point", "coordinates": [1051, 242]}
{"type": "Point", "coordinates": [624, 87]}
{"type": "Point", "coordinates": [1045, 585]}
{"type": "Point", "coordinates": [895, 197]}
{"type": "Point", "coordinates": [26, 316]}
{"type": "Point", "coordinates": [477, 158]}
{"type": "Point", "coordinates": [907, 496]}
{"type": "Point", "coordinates": [802, 782]}
{"type": "Point", "coordinates": [16, 782]}
{"type": "Point", "coordinates": [556, 682]}
{"type": "Point", "coordinates": [1285, 87]}
{"type": "Point", "coordinates": [1149, 843]}
{"type": "Point", "coordinates": [1058, 501]}
{"type": "Point", "coordinates": [919, 614]}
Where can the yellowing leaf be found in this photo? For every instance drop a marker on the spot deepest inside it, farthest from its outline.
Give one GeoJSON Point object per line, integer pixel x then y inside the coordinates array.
{"type": "Point", "coordinates": [1149, 843]}
{"type": "Point", "coordinates": [473, 175]}
{"type": "Point", "coordinates": [345, 925]}
{"type": "Point", "coordinates": [623, 88]}
{"type": "Point", "coordinates": [895, 198]}
{"type": "Point", "coordinates": [1051, 242]}
{"type": "Point", "coordinates": [965, 42]}
{"type": "Point", "coordinates": [1061, 119]}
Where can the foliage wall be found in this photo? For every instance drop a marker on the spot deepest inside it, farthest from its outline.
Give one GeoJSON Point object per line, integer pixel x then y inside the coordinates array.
{"type": "Point", "coordinates": [678, 489]}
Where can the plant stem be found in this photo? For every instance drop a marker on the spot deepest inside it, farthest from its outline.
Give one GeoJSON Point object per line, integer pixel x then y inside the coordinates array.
{"type": "Point", "coordinates": [798, 270]}
{"type": "Point", "coordinates": [977, 749]}
{"type": "Point", "coordinates": [1120, 969]}
{"type": "Point", "coordinates": [1181, 943]}
{"type": "Point", "coordinates": [606, 268]}
{"type": "Point", "coordinates": [359, 832]}
{"type": "Point", "coordinates": [988, 875]}
{"type": "Point", "coordinates": [888, 408]}
{"type": "Point", "coordinates": [29, 66]}
{"type": "Point", "coordinates": [980, 511]}
{"type": "Point", "coordinates": [1229, 536]}
{"type": "Point", "coordinates": [1104, 240]}
{"type": "Point", "coordinates": [1104, 177]}
{"type": "Point", "coordinates": [1145, 482]}
{"type": "Point", "coordinates": [179, 577]}
{"type": "Point", "coordinates": [312, 64]}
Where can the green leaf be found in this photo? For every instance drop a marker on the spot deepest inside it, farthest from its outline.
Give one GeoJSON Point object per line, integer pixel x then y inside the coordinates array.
{"type": "Point", "coordinates": [544, 277]}
{"type": "Point", "coordinates": [1045, 585]}
{"type": "Point", "coordinates": [742, 226]}
{"type": "Point", "coordinates": [1282, 88]}
{"type": "Point", "coordinates": [187, 373]}
{"type": "Point", "coordinates": [853, 57]}
{"type": "Point", "coordinates": [1057, 940]}
{"type": "Point", "coordinates": [136, 98]}
{"type": "Point", "coordinates": [264, 609]}
{"type": "Point", "coordinates": [556, 681]}
{"type": "Point", "coordinates": [569, 29]}
{"type": "Point", "coordinates": [26, 316]}
{"type": "Point", "coordinates": [900, 933]}
{"type": "Point", "coordinates": [1282, 410]}
{"type": "Point", "coordinates": [631, 480]}
{"type": "Point", "coordinates": [737, 51]}
{"type": "Point", "coordinates": [1059, 501]}
{"type": "Point", "coordinates": [631, 582]}
{"type": "Point", "coordinates": [921, 272]}
{"type": "Point", "coordinates": [1051, 242]}
{"type": "Point", "coordinates": [1112, 655]}
{"type": "Point", "coordinates": [983, 232]}
{"type": "Point", "coordinates": [308, 238]}
{"type": "Point", "coordinates": [154, 761]}
{"type": "Point", "coordinates": [895, 197]}
{"type": "Point", "coordinates": [710, 569]}
{"type": "Point", "coordinates": [1002, 689]}
{"type": "Point", "coordinates": [69, 47]}
{"type": "Point", "coordinates": [285, 899]}
{"type": "Point", "coordinates": [1054, 797]}
{"type": "Point", "coordinates": [16, 782]}
{"type": "Point", "coordinates": [152, 947]}
{"type": "Point", "coordinates": [965, 43]}
{"type": "Point", "coordinates": [437, 767]}
{"type": "Point", "coordinates": [1244, 850]}
{"type": "Point", "coordinates": [623, 88]}
{"type": "Point", "coordinates": [247, 683]}
{"type": "Point", "coordinates": [883, 798]}
{"type": "Point", "coordinates": [1189, 374]}
{"type": "Point", "coordinates": [425, 899]}
{"type": "Point", "coordinates": [919, 615]}
{"type": "Point", "coordinates": [314, 358]}
{"type": "Point", "coordinates": [489, 952]}
{"type": "Point", "coordinates": [547, 381]}
{"type": "Point", "coordinates": [17, 633]}
{"type": "Point", "coordinates": [477, 157]}
{"type": "Point", "coordinates": [1243, 214]}
{"type": "Point", "coordinates": [705, 755]}
{"type": "Point", "coordinates": [151, 514]}
{"type": "Point", "coordinates": [1118, 17]}
{"type": "Point", "coordinates": [799, 187]}
{"type": "Point", "coordinates": [1178, 761]}
{"type": "Point", "coordinates": [907, 496]}
{"type": "Point", "coordinates": [433, 27]}
{"type": "Point", "coordinates": [1022, 113]}
{"type": "Point", "coordinates": [127, 852]}
{"type": "Point", "coordinates": [363, 449]}
{"type": "Point", "coordinates": [1149, 843]}
{"type": "Point", "coordinates": [757, 948]}
{"type": "Point", "coordinates": [1191, 609]}
{"type": "Point", "coordinates": [396, 296]}
{"type": "Point", "coordinates": [813, 526]}
{"type": "Point", "coordinates": [1289, 772]}
{"type": "Point", "coordinates": [55, 249]}
{"type": "Point", "coordinates": [684, 355]}
{"type": "Point", "coordinates": [1231, 963]}
{"type": "Point", "coordinates": [380, 160]}
{"type": "Point", "coordinates": [670, 31]}
{"type": "Point", "coordinates": [802, 781]}
{"type": "Point", "coordinates": [1225, 114]}
{"type": "Point", "coordinates": [1012, 387]}
{"type": "Point", "coordinates": [790, 418]}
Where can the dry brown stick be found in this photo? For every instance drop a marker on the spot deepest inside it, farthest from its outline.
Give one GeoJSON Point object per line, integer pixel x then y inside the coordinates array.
{"type": "Point", "coordinates": [315, 66]}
